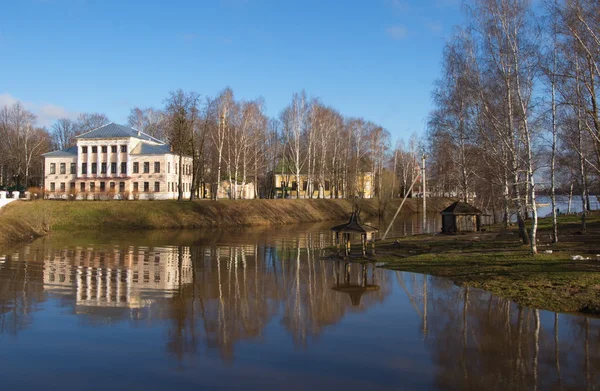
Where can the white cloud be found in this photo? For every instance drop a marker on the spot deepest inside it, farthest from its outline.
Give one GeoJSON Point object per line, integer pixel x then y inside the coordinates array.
{"type": "Point", "coordinates": [400, 5]}
{"type": "Point", "coordinates": [447, 3]}
{"type": "Point", "coordinates": [397, 32]}
{"type": "Point", "coordinates": [46, 113]}
{"type": "Point", "coordinates": [7, 99]}
{"type": "Point", "coordinates": [434, 27]}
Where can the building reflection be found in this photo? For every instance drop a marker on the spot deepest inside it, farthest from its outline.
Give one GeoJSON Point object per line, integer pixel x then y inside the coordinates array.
{"type": "Point", "coordinates": [210, 296]}
{"type": "Point", "coordinates": [129, 277]}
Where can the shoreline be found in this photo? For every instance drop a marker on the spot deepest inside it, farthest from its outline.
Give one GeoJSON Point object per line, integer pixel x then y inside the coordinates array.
{"type": "Point", "coordinates": [497, 262]}
{"type": "Point", "coordinates": [22, 221]}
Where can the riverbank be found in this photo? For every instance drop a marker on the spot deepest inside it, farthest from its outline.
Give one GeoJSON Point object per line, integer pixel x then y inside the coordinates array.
{"type": "Point", "coordinates": [22, 221]}
{"type": "Point", "coordinates": [496, 261]}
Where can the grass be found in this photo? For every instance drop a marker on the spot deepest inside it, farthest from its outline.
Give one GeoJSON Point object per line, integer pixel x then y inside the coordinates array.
{"type": "Point", "coordinates": [497, 262]}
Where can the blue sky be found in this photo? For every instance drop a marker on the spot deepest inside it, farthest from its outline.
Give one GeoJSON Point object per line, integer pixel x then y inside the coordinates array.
{"type": "Point", "coordinates": [375, 59]}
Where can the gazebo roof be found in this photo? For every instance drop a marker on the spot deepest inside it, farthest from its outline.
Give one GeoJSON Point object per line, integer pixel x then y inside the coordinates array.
{"type": "Point", "coordinates": [461, 208]}
{"type": "Point", "coordinates": [354, 226]}
{"type": "Point", "coordinates": [355, 291]}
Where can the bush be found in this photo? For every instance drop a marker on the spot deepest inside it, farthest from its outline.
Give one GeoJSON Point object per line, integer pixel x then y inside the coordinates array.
{"type": "Point", "coordinates": [36, 193]}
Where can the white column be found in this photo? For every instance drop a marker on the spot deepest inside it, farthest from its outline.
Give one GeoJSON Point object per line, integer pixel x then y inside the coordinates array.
{"type": "Point", "coordinates": [89, 162]}
{"type": "Point", "coordinates": [108, 164]}
{"type": "Point", "coordinates": [98, 160]}
{"type": "Point", "coordinates": [118, 161]}
{"type": "Point", "coordinates": [79, 161]}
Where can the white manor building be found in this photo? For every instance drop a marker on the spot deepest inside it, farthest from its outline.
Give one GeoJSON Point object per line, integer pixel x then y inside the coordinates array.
{"type": "Point", "coordinates": [116, 161]}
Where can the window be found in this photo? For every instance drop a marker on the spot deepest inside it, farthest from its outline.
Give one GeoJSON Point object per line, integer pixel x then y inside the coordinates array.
{"type": "Point", "coordinates": [168, 168]}
{"type": "Point", "coordinates": [136, 168]}
{"type": "Point", "coordinates": [123, 168]}
{"type": "Point", "coordinates": [112, 186]}
{"type": "Point", "coordinates": [121, 187]}
{"type": "Point", "coordinates": [84, 168]}
{"type": "Point", "coordinates": [52, 186]}
{"type": "Point", "coordinates": [102, 186]}
{"type": "Point", "coordinates": [157, 186]}
{"type": "Point", "coordinates": [82, 186]}
{"type": "Point", "coordinates": [146, 167]}
{"type": "Point", "coordinates": [72, 186]}
{"type": "Point", "coordinates": [104, 149]}
{"type": "Point", "coordinates": [94, 168]}
{"type": "Point", "coordinates": [63, 168]}
{"type": "Point", "coordinates": [113, 168]}
{"type": "Point", "coordinates": [146, 187]}
{"type": "Point", "coordinates": [73, 168]}
{"type": "Point", "coordinates": [175, 168]}
{"type": "Point", "coordinates": [83, 149]}
{"type": "Point", "coordinates": [63, 187]}
{"type": "Point", "coordinates": [135, 187]}
{"type": "Point", "coordinates": [52, 168]}
{"type": "Point", "coordinates": [124, 148]}
{"type": "Point", "coordinates": [92, 186]}
{"type": "Point", "coordinates": [113, 148]}
{"type": "Point", "coordinates": [103, 168]}
{"type": "Point", "coordinates": [94, 149]}
{"type": "Point", "coordinates": [156, 167]}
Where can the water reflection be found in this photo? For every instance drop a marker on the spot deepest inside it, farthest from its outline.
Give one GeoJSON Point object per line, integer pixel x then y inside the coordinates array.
{"type": "Point", "coordinates": [256, 302]}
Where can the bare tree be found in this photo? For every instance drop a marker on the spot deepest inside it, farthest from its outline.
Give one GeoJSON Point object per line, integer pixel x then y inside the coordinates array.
{"type": "Point", "coordinates": [182, 115]}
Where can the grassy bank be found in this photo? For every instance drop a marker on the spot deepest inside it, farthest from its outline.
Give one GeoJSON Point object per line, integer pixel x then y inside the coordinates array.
{"type": "Point", "coordinates": [498, 263]}
{"type": "Point", "coordinates": [23, 220]}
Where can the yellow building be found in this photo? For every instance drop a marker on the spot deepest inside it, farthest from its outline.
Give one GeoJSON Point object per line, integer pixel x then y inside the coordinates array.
{"type": "Point", "coordinates": [286, 185]}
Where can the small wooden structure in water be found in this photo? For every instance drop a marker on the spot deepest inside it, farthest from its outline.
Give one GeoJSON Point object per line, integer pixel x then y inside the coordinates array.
{"type": "Point", "coordinates": [461, 217]}
{"type": "Point", "coordinates": [354, 226]}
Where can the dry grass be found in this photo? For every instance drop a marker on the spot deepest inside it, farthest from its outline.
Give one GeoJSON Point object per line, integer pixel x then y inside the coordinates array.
{"type": "Point", "coordinates": [499, 263]}
{"type": "Point", "coordinates": [23, 220]}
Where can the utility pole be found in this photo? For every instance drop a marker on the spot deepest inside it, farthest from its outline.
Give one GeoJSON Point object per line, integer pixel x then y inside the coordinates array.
{"type": "Point", "coordinates": [424, 187]}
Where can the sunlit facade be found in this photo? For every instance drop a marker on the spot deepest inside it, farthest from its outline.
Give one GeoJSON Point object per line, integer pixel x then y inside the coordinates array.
{"type": "Point", "coordinates": [116, 162]}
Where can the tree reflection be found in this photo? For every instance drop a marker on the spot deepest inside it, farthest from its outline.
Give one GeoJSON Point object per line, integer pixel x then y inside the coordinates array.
{"type": "Point", "coordinates": [213, 297]}
{"type": "Point", "coordinates": [479, 341]}
{"type": "Point", "coordinates": [21, 290]}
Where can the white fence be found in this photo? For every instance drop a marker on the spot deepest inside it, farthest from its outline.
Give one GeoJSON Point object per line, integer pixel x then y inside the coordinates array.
{"type": "Point", "coordinates": [4, 197]}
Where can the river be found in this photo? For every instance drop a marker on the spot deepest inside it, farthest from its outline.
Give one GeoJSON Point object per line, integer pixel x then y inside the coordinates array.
{"type": "Point", "coordinates": [262, 309]}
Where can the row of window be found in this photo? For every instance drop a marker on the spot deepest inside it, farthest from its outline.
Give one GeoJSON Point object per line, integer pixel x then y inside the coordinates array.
{"type": "Point", "coordinates": [173, 187]}
{"type": "Point", "coordinates": [136, 167]}
{"type": "Point", "coordinates": [112, 186]}
{"type": "Point", "coordinates": [62, 168]}
{"type": "Point", "coordinates": [103, 168]}
{"type": "Point", "coordinates": [187, 168]}
{"type": "Point", "coordinates": [104, 149]}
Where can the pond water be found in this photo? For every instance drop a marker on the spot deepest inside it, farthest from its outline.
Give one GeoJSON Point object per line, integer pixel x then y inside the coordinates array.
{"type": "Point", "coordinates": [562, 203]}
{"type": "Point", "coordinates": [263, 309]}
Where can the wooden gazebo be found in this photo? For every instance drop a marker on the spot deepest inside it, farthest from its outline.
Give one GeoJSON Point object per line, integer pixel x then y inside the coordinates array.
{"type": "Point", "coordinates": [461, 217]}
{"type": "Point", "coordinates": [354, 226]}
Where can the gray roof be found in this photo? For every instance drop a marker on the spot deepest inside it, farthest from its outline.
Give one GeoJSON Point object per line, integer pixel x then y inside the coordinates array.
{"type": "Point", "coordinates": [113, 130]}
{"type": "Point", "coordinates": [461, 208]}
{"type": "Point", "coordinates": [150, 149]}
{"type": "Point", "coordinates": [354, 226]}
{"type": "Point", "coordinates": [67, 152]}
